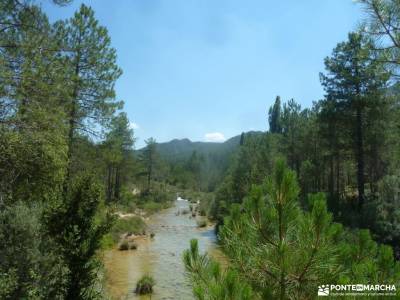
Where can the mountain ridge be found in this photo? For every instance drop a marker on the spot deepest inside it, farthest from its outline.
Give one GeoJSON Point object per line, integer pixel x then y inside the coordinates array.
{"type": "Point", "coordinates": [182, 148]}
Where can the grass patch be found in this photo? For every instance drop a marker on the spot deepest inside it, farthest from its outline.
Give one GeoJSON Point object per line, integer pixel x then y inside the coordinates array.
{"type": "Point", "coordinates": [145, 285]}
{"type": "Point", "coordinates": [133, 225]}
{"type": "Point", "coordinates": [152, 207]}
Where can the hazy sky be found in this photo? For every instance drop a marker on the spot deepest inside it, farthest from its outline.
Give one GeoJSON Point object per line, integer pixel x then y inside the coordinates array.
{"type": "Point", "coordinates": [209, 69]}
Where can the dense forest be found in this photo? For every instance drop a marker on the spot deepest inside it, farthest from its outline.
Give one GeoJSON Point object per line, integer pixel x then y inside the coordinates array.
{"type": "Point", "coordinates": [66, 153]}
{"type": "Point", "coordinates": [316, 198]}
{"type": "Point", "coordinates": [313, 200]}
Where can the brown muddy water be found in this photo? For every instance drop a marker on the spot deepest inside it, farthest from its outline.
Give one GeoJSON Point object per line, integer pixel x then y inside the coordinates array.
{"type": "Point", "coordinates": [160, 257]}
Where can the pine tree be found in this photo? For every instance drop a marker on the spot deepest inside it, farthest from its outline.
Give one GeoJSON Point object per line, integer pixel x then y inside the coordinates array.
{"type": "Point", "coordinates": [383, 26]}
{"type": "Point", "coordinates": [281, 250]}
{"type": "Point", "coordinates": [210, 282]}
{"type": "Point", "coordinates": [117, 152]}
{"type": "Point", "coordinates": [242, 136]}
{"type": "Point", "coordinates": [353, 79]}
{"type": "Point", "coordinates": [148, 159]}
{"type": "Point", "coordinates": [274, 116]}
{"type": "Point", "coordinates": [91, 63]}
{"type": "Point", "coordinates": [32, 131]}
{"type": "Point", "coordinates": [194, 166]}
{"type": "Point", "coordinates": [77, 228]}
{"type": "Point", "coordinates": [291, 129]}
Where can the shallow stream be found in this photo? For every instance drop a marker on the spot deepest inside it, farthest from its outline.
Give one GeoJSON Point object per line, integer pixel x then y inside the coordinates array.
{"type": "Point", "coordinates": [160, 257]}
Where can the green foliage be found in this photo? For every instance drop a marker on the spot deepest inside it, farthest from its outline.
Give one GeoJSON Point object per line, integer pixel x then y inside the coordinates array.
{"type": "Point", "coordinates": [254, 161]}
{"type": "Point", "coordinates": [152, 207]}
{"type": "Point", "coordinates": [78, 229]}
{"type": "Point", "coordinates": [145, 285]}
{"type": "Point", "coordinates": [383, 210]}
{"type": "Point", "coordinates": [282, 250]}
{"type": "Point", "coordinates": [365, 260]}
{"type": "Point", "coordinates": [92, 71]}
{"type": "Point", "coordinates": [353, 82]}
{"type": "Point", "coordinates": [117, 153]}
{"type": "Point", "coordinates": [32, 147]}
{"type": "Point", "coordinates": [383, 23]}
{"type": "Point", "coordinates": [197, 166]}
{"type": "Point", "coordinates": [148, 159]}
{"type": "Point", "coordinates": [134, 225]}
{"type": "Point", "coordinates": [30, 267]}
{"type": "Point", "coordinates": [292, 125]}
{"type": "Point", "coordinates": [274, 116]}
{"type": "Point", "coordinates": [212, 283]}
{"type": "Point", "coordinates": [57, 84]}
{"type": "Point", "coordinates": [33, 164]}
{"type": "Point", "coordinates": [57, 90]}
{"type": "Point", "coordinates": [107, 242]}
{"type": "Point", "coordinates": [8, 284]}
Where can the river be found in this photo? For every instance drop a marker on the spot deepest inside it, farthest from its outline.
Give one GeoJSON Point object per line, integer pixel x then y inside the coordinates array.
{"type": "Point", "coordinates": [160, 257]}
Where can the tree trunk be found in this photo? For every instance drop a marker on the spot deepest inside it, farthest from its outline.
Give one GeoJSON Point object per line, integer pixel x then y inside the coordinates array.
{"type": "Point", "coordinates": [109, 184]}
{"type": "Point", "coordinates": [72, 118]}
{"type": "Point", "coordinates": [331, 176]}
{"type": "Point", "coordinates": [360, 157]}
{"type": "Point", "coordinates": [149, 180]}
{"type": "Point", "coordinates": [117, 183]}
{"type": "Point", "coordinates": [71, 130]}
{"type": "Point", "coordinates": [149, 172]}
{"type": "Point", "coordinates": [338, 174]}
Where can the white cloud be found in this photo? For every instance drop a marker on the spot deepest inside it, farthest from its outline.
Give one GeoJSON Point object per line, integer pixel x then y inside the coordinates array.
{"type": "Point", "coordinates": [214, 137]}
{"type": "Point", "coordinates": [133, 125]}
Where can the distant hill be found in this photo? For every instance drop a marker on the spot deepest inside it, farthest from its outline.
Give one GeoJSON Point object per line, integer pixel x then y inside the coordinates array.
{"type": "Point", "coordinates": [214, 160]}
{"type": "Point", "coordinates": [182, 149]}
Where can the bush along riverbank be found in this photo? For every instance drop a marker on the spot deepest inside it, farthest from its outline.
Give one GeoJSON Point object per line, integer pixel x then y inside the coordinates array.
{"type": "Point", "coordinates": [124, 231]}
{"type": "Point", "coordinates": [132, 212]}
{"type": "Point", "coordinates": [126, 228]}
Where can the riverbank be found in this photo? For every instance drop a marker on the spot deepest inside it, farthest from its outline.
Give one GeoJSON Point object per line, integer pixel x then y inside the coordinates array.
{"type": "Point", "coordinates": [160, 256]}
{"type": "Point", "coordinates": [130, 221]}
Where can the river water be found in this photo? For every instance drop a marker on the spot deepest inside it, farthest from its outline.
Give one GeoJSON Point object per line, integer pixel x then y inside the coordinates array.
{"type": "Point", "coordinates": [160, 257]}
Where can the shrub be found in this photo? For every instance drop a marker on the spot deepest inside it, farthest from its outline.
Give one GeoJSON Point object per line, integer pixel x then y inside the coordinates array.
{"type": "Point", "coordinates": [152, 207]}
{"type": "Point", "coordinates": [30, 266]}
{"type": "Point", "coordinates": [201, 223]}
{"type": "Point", "coordinates": [184, 211]}
{"type": "Point", "coordinates": [385, 210]}
{"type": "Point", "coordinates": [107, 242]}
{"type": "Point", "coordinates": [133, 224]}
{"type": "Point", "coordinates": [130, 207]}
{"type": "Point", "coordinates": [127, 245]}
{"type": "Point", "coordinates": [202, 212]}
{"type": "Point", "coordinates": [77, 229]}
{"type": "Point", "coordinates": [145, 285]}
{"type": "Point", "coordinates": [128, 198]}
{"type": "Point", "coordinates": [124, 246]}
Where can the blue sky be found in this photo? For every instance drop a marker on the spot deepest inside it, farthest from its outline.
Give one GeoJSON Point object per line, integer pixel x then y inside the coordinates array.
{"type": "Point", "coordinates": [209, 69]}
